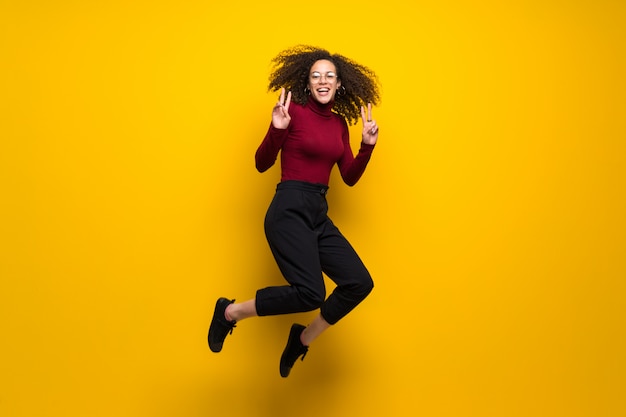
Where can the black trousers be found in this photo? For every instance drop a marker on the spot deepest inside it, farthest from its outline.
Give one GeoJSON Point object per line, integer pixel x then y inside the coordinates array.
{"type": "Point", "coordinates": [305, 243]}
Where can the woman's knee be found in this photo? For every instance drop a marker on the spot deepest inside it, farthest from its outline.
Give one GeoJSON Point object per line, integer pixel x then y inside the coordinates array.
{"type": "Point", "coordinates": [365, 286]}
{"type": "Point", "coordinates": [362, 286]}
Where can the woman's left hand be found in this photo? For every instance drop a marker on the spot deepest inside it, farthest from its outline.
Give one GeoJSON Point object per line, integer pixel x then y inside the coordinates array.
{"type": "Point", "coordinates": [370, 128]}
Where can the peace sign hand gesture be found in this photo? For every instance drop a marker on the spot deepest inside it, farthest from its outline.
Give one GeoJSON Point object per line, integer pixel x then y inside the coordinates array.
{"type": "Point", "coordinates": [280, 113]}
{"type": "Point", "coordinates": [370, 128]}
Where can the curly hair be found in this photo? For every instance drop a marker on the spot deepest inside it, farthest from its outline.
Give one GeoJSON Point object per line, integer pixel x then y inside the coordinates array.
{"type": "Point", "coordinates": [291, 70]}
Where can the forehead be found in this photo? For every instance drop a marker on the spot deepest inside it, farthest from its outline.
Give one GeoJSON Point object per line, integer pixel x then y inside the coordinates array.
{"type": "Point", "coordinates": [323, 65]}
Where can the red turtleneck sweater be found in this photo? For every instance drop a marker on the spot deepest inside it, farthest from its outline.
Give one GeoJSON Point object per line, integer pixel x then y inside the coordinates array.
{"type": "Point", "coordinates": [315, 140]}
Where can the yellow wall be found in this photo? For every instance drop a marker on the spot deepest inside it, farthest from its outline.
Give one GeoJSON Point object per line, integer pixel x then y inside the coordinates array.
{"type": "Point", "coordinates": [492, 215]}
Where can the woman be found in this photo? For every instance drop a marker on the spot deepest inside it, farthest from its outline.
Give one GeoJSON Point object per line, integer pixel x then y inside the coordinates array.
{"type": "Point", "coordinates": [310, 128]}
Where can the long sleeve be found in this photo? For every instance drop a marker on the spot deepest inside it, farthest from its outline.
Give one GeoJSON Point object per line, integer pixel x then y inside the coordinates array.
{"type": "Point", "coordinates": [350, 167]}
{"type": "Point", "coordinates": [267, 152]}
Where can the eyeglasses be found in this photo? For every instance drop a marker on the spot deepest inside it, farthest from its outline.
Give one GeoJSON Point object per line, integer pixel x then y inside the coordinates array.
{"type": "Point", "coordinates": [316, 77]}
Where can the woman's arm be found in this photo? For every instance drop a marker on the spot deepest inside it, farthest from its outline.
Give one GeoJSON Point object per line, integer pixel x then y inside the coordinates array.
{"type": "Point", "coordinates": [277, 133]}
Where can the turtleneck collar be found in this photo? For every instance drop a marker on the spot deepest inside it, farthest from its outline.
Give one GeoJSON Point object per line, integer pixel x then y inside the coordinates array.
{"type": "Point", "coordinates": [319, 108]}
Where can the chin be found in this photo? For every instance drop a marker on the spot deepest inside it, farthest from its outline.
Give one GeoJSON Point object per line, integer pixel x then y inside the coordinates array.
{"type": "Point", "coordinates": [324, 100]}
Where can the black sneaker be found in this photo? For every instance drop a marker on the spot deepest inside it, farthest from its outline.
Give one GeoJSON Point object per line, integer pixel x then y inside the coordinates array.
{"type": "Point", "coordinates": [293, 350]}
{"type": "Point", "coordinates": [220, 327]}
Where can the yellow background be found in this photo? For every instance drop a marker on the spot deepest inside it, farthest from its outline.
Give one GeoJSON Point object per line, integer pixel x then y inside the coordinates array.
{"type": "Point", "coordinates": [492, 215]}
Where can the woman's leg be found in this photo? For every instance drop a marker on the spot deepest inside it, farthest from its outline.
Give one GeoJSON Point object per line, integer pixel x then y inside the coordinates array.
{"type": "Point", "coordinates": [240, 311]}
{"type": "Point", "coordinates": [342, 265]}
{"type": "Point", "coordinates": [314, 330]}
{"type": "Point", "coordinates": [290, 230]}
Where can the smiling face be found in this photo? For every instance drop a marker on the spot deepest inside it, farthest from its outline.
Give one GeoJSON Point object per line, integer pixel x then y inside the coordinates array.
{"type": "Point", "coordinates": [323, 81]}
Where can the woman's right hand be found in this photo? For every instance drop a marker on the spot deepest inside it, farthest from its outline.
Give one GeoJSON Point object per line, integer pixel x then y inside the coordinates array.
{"type": "Point", "coordinates": [280, 113]}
